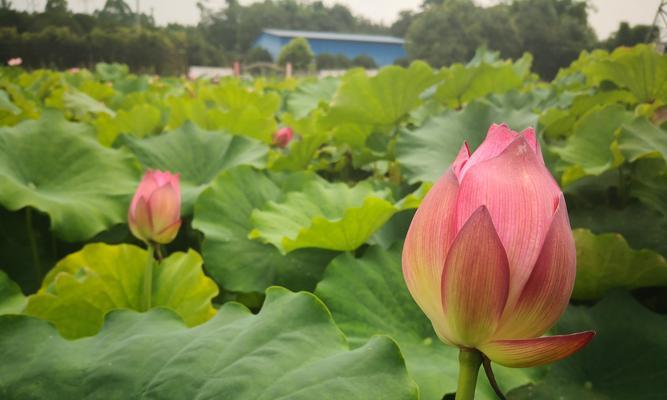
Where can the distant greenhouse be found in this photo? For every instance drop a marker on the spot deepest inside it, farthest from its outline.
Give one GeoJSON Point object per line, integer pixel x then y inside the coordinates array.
{"type": "Point", "coordinates": [384, 50]}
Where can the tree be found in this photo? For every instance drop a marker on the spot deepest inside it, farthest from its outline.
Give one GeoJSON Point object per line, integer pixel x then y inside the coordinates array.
{"type": "Point", "coordinates": [445, 34]}
{"type": "Point", "coordinates": [499, 31]}
{"type": "Point", "coordinates": [56, 6]}
{"type": "Point", "coordinates": [431, 3]}
{"type": "Point", "coordinates": [118, 13]}
{"type": "Point", "coordinates": [627, 35]}
{"type": "Point", "coordinates": [236, 27]}
{"type": "Point", "coordinates": [332, 61]}
{"type": "Point", "coordinates": [325, 61]}
{"type": "Point", "coordinates": [402, 62]}
{"type": "Point", "coordinates": [117, 7]}
{"type": "Point", "coordinates": [341, 61]}
{"type": "Point", "coordinates": [362, 60]}
{"type": "Point", "coordinates": [297, 52]}
{"type": "Point", "coordinates": [402, 24]}
{"type": "Point", "coordinates": [258, 54]}
{"type": "Point", "coordinates": [554, 31]}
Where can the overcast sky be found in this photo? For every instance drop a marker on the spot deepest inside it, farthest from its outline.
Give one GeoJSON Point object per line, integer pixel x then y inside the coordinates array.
{"type": "Point", "coordinates": [604, 18]}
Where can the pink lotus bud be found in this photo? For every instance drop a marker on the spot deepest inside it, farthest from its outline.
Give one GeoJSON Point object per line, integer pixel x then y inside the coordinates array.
{"type": "Point", "coordinates": [155, 211]}
{"type": "Point", "coordinates": [73, 70]}
{"type": "Point", "coordinates": [15, 62]}
{"type": "Point", "coordinates": [490, 257]}
{"type": "Point", "coordinates": [283, 136]}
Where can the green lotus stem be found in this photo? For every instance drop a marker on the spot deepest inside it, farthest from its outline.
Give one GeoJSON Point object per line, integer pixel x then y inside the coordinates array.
{"type": "Point", "coordinates": [469, 362]}
{"type": "Point", "coordinates": [148, 279]}
{"type": "Point", "coordinates": [33, 244]}
{"type": "Point", "coordinates": [158, 252]}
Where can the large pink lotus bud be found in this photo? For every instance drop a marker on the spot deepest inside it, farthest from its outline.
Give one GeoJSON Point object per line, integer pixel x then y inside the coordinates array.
{"type": "Point", "coordinates": [490, 256]}
{"type": "Point", "coordinates": [155, 211]}
{"type": "Point", "coordinates": [283, 136]}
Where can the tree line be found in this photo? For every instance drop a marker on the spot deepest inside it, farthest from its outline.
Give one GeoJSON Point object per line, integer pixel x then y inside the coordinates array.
{"type": "Point", "coordinates": [441, 32]}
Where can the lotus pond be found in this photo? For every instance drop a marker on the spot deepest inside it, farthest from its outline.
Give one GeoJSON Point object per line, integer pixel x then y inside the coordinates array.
{"type": "Point", "coordinates": [284, 279]}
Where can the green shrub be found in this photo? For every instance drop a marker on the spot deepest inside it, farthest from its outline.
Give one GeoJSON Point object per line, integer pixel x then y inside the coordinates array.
{"type": "Point", "coordinates": [362, 60]}
{"type": "Point", "coordinates": [297, 52]}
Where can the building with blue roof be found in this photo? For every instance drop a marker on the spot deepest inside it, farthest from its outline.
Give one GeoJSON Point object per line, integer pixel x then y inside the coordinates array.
{"type": "Point", "coordinates": [384, 50]}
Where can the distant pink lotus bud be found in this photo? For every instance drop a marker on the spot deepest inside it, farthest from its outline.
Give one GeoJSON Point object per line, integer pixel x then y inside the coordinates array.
{"type": "Point", "coordinates": [74, 70]}
{"type": "Point", "coordinates": [15, 62]}
{"type": "Point", "coordinates": [155, 211]}
{"type": "Point", "coordinates": [490, 256]}
{"type": "Point", "coordinates": [283, 136]}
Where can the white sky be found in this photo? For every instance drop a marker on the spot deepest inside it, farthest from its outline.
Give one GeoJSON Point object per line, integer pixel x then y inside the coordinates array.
{"type": "Point", "coordinates": [604, 17]}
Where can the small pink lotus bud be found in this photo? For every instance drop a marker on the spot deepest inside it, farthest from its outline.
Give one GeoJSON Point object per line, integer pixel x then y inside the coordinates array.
{"type": "Point", "coordinates": [15, 62]}
{"type": "Point", "coordinates": [490, 256]}
{"type": "Point", "coordinates": [155, 211]}
{"type": "Point", "coordinates": [283, 136]}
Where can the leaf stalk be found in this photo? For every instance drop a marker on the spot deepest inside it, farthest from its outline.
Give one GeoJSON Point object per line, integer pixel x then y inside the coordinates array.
{"type": "Point", "coordinates": [469, 362]}
{"type": "Point", "coordinates": [148, 279]}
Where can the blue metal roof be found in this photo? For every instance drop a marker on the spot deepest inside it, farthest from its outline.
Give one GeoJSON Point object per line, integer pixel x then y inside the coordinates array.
{"type": "Point", "coordinates": [334, 36]}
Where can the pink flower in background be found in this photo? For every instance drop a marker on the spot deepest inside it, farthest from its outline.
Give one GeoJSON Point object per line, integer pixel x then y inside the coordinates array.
{"type": "Point", "coordinates": [155, 211]}
{"type": "Point", "coordinates": [283, 136]}
{"type": "Point", "coordinates": [490, 256]}
{"type": "Point", "coordinates": [74, 70]}
{"type": "Point", "coordinates": [15, 62]}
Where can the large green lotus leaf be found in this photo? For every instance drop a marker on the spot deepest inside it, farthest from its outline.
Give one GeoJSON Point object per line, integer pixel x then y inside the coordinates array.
{"type": "Point", "coordinates": [57, 167]}
{"type": "Point", "coordinates": [111, 72]}
{"type": "Point", "coordinates": [429, 108]}
{"type": "Point", "coordinates": [606, 261]}
{"type": "Point", "coordinates": [308, 96]}
{"type": "Point", "coordinates": [84, 286]}
{"type": "Point", "coordinates": [231, 94]}
{"type": "Point", "coordinates": [649, 183]}
{"type": "Point", "coordinates": [394, 231]}
{"type": "Point", "coordinates": [222, 212]}
{"type": "Point", "coordinates": [558, 123]}
{"type": "Point", "coordinates": [461, 83]}
{"type": "Point", "coordinates": [12, 300]}
{"type": "Point", "coordinates": [197, 155]}
{"type": "Point", "coordinates": [587, 101]}
{"type": "Point", "coordinates": [367, 296]}
{"type": "Point", "coordinates": [27, 107]}
{"type": "Point", "coordinates": [249, 121]}
{"type": "Point", "coordinates": [641, 69]}
{"type": "Point", "coordinates": [641, 226]}
{"type": "Point", "coordinates": [185, 108]}
{"type": "Point", "coordinates": [74, 102]}
{"type": "Point", "coordinates": [383, 99]}
{"type": "Point", "coordinates": [590, 150]}
{"type": "Point", "coordinates": [311, 135]}
{"type": "Point", "coordinates": [79, 103]}
{"type": "Point", "coordinates": [324, 215]}
{"type": "Point", "coordinates": [299, 154]}
{"type": "Point", "coordinates": [640, 139]}
{"type": "Point", "coordinates": [99, 91]}
{"type": "Point", "coordinates": [625, 360]}
{"type": "Point", "coordinates": [140, 121]}
{"type": "Point", "coordinates": [414, 199]}
{"type": "Point", "coordinates": [235, 109]}
{"type": "Point", "coordinates": [26, 254]}
{"type": "Point", "coordinates": [352, 135]}
{"type": "Point", "coordinates": [290, 350]}
{"type": "Point", "coordinates": [425, 153]}
{"type": "Point", "coordinates": [132, 84]}
{"type": "Point", "coordinates": [6, 104]}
